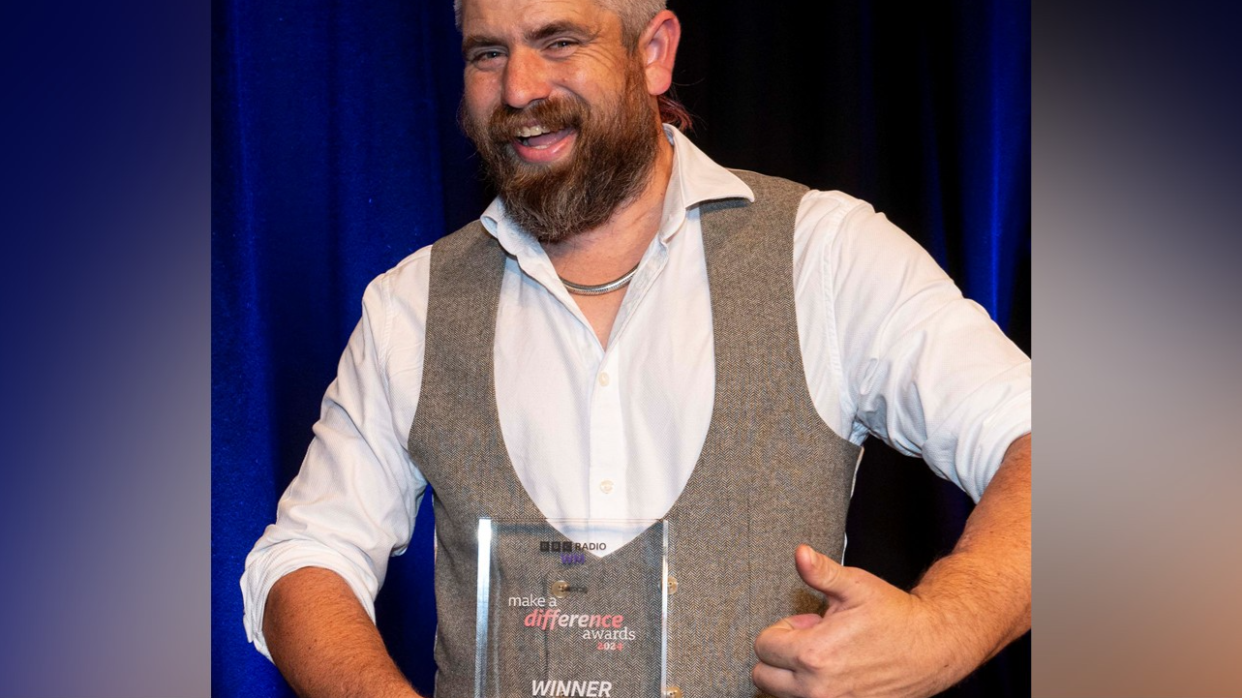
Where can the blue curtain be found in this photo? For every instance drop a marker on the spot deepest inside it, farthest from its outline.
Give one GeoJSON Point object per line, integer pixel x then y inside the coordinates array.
{"type": "Point", "coordinates": [335, 154]}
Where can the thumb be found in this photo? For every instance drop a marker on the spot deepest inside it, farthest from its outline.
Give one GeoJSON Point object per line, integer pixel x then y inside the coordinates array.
{"type": "Point", "coordinates": [824, 574]}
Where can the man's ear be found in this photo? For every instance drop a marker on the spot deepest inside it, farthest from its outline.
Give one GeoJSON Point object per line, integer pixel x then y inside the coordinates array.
{"type": "Point", "coordinates": [658, 48]}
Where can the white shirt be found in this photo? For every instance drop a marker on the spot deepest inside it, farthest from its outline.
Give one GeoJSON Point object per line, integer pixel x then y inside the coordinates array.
{"type": "Point", "coordinates": [889, 345]}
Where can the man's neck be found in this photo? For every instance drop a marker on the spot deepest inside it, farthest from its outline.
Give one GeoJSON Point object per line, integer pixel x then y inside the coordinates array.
{"type": "Point", "coordinates": [605, 253]}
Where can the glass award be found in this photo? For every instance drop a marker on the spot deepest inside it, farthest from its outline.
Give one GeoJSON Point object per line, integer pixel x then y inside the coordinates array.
{"type": "Point", "coordinates": [572, 608]}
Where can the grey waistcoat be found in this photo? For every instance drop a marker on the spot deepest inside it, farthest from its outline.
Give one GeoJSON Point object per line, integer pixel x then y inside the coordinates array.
{"type": "Point", "coordinates": [771, 474]}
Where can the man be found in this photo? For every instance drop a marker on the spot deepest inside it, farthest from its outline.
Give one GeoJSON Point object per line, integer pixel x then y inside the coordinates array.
{"type": "Point", "coordinates": [630, 331]}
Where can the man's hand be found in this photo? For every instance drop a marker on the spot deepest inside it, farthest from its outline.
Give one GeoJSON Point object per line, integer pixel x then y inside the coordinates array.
{"type": "Point", "coordinates": [874, 640]}
{"type": "Point", "coordinates": [877, 640]}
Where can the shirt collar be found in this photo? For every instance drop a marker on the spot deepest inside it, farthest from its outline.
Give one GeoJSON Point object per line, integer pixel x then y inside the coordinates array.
{"type": "Point", "coordinates": [695, 179]}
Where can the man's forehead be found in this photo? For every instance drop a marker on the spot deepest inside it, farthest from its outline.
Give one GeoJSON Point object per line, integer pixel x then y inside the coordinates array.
{"type": "Point", "coordinates": [508, 16]}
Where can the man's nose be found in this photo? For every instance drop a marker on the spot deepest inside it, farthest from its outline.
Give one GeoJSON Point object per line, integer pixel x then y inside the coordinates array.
{"type": "Point", "coordinates": [526, 78]}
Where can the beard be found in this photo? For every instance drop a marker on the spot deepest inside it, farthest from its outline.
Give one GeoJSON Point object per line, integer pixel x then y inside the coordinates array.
{"type": "Point", "coordinates": [610, 163]}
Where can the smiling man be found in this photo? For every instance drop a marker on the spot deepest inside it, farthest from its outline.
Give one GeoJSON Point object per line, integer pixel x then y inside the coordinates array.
{"type": "Point", "coordinates": [631, 331]}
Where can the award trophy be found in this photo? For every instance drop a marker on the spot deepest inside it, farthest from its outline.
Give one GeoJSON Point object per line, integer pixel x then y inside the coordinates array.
{"type": "Point", "coordinates": [572, 608]}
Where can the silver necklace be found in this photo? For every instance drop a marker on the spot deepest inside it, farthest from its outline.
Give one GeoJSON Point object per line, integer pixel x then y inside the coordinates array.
{"type": "Point", "coordinates": [599, 289]}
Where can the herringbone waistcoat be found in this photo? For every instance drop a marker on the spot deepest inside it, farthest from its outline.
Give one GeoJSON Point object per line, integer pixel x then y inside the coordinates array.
{"type": "Point", "coordinates": [771, 474]}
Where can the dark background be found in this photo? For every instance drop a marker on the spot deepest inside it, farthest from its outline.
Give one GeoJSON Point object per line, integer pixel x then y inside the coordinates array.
{"type": "Point", "coordinates": [335, 153]}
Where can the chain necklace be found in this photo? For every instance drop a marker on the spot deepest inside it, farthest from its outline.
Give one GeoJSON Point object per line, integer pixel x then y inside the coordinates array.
{"type": "Point", "coordinates": [599, 289]}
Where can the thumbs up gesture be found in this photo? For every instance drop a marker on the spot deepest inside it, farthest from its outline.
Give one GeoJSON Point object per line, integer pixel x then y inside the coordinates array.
{"type": "Point", "coordinates": [874, 640]}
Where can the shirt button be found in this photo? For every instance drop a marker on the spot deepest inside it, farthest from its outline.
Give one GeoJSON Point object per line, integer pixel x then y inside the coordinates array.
{"type": "Point", "coordinates": [606, 486]}
{"type": "Point", "coordinates": [603, 379]}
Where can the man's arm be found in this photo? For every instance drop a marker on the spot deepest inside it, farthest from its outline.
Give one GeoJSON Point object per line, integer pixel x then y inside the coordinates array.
{"type": "Point", "coordinates": [986, 581]}
{"type": "Point", "coordinates": [352, 506]}
{"type": "Point", "coordinates": [323, 641]}
{"type": "Point", "coordinates": [877, 640]}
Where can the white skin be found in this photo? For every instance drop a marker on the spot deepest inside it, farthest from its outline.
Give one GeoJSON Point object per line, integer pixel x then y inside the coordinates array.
{"type": "Point", "coordinates": [877, 640]}
{"type": "Point", "coordinates": [318, 633]}
{"type": "Point", "coordinates": [874, 639]}
{"type": "Point", "coordinates": [518, 52]}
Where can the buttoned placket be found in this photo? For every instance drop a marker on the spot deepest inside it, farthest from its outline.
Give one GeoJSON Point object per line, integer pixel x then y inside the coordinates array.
{"type": "Point", "coordinates": [607, 491]}
{"type": "Point", "coordinates": [608, 487]}
{"type": "Point", "coordinates": [608, 475]}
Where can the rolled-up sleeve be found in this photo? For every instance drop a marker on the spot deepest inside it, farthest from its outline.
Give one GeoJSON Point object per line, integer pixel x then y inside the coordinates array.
{"type": "Point", "coordinates": [923, 368]}
{"type": "Point", "coordinates": [353, 503]}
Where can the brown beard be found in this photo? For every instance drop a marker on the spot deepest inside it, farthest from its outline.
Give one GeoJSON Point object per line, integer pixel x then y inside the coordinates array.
{"type": "Point", "coordinates": [610, 164]}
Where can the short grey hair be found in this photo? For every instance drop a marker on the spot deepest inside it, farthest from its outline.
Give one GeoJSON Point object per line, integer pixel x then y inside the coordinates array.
{"type": "Point", "coordinates": [634, 14]}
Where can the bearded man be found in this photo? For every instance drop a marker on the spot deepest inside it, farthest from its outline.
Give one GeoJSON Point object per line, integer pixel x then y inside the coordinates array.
{"type": "Point", "coordinates": [631, 331]}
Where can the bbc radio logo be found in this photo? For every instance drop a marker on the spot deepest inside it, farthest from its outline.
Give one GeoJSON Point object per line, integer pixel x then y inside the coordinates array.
{"type": "Point", "coordinates": [571, 553]}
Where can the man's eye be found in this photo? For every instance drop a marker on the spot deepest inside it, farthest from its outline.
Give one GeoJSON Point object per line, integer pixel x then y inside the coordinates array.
{"type": "Point", "coordinates": [562, 44]}
{"type": "Point", "coordinates": [484, 56]}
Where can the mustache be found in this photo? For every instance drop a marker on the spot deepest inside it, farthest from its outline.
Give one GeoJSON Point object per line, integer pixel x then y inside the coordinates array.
{"type": "Point", "coordinates": [553, 113]}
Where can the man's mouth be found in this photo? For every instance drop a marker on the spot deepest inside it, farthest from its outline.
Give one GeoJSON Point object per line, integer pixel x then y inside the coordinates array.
{"type": "Point", "coordinates": [539, 136]}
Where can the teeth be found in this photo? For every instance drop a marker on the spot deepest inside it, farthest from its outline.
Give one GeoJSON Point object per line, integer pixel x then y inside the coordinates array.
{"type": "Point", "coordinates": [532, 131]}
